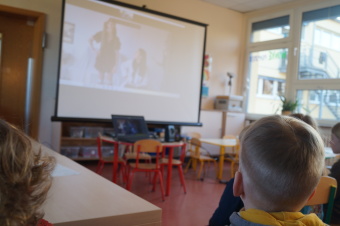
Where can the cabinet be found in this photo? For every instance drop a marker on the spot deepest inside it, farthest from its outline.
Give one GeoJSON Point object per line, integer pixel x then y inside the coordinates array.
{"type": "Point", "coordinates": [78, 140]}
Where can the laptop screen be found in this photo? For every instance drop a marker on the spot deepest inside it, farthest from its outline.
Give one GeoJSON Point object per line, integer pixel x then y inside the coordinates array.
{"type": "Point", "coordinates": [126, 126]}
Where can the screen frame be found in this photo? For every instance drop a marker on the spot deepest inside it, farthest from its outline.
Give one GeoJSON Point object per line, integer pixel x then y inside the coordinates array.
{"type": "Point", "coordinates": [55, 117]}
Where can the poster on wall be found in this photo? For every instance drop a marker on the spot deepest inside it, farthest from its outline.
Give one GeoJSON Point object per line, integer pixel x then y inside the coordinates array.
{"type": "Point", "coordinates": [206, 75]}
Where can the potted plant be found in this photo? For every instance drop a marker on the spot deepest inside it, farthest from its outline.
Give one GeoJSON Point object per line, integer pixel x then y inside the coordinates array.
{"type": "Point", "coordinates": [288, 106]}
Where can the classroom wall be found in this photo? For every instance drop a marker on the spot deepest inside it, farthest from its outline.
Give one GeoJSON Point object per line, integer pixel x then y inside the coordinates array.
{"type": "Point", "coordinates": [224, 43]}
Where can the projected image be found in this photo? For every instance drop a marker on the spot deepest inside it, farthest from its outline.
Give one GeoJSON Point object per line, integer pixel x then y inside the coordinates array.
{"type": "Point", "coordinates": [114, 58]}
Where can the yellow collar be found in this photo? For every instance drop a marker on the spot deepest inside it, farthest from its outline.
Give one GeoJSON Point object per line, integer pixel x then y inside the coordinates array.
{"type": "Point", "coordinates": [280, 218]}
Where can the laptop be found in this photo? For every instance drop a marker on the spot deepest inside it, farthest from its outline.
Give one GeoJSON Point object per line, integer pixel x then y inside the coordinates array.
{"type": "Point", "coordinates": [128, 128]}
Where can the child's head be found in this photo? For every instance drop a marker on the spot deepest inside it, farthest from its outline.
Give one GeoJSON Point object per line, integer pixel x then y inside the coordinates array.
{"type": "Point", "coordinates": [24, 177]}
{"type": "Point", "coordinates": [281, 162]}
{"type": "Point", "coordinates": [335, 140]}
{"type": "Point", "coordinates": [307, 119]}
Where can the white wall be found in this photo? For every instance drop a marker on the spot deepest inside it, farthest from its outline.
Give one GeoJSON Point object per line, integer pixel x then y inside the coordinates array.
{"type": "Point", "coordinates": [224, 44]}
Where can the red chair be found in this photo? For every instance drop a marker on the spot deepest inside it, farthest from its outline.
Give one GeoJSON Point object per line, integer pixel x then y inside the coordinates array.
{"type": "Point", "coordinates": [142, 147]}
{"type": "Point", "coordinates": [178, 163]}
{"type": "Point", "coordinates": [116, 161]}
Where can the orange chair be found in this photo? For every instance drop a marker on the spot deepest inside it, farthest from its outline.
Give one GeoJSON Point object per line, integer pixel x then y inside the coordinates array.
{"type": "Point", "coordinates": [147, 146]}
{"type": "Point", "coordinates": [110, 159]}
{"type": "Point", "coordinates": [178, 163]}
{"type": "Point", "coordinates": [197, 153]}
{"type": "Point", "coordinates": [325, 194]}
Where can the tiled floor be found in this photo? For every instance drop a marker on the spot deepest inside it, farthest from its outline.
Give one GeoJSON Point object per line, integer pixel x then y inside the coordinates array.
{"type": "Point", "coordinates": [193, 208]}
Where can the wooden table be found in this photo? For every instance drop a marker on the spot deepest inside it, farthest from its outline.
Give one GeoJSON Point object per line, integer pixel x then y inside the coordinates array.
{"type": "Point", "coordinates": [87, 199]}
{"type": "Point", "coordinates": [222, 143]}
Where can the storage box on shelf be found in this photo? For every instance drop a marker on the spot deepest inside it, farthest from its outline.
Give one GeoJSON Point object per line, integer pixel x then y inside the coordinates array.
{"type": "Point", "coordinates": [78, 140]}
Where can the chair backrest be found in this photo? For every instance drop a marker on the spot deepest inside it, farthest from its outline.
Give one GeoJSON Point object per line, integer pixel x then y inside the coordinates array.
{"type": "Point", "coordinates": [148, 146]}
{"type": "Point", "coordinates": [194, 134]}
{"type": "Point", "coordinates": [325, 194]}
{"type": "Point", "coordinates": [195, 147]}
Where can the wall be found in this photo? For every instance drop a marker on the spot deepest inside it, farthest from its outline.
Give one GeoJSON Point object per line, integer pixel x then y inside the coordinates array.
{"type": "Point", "coordinates": [224, 43]}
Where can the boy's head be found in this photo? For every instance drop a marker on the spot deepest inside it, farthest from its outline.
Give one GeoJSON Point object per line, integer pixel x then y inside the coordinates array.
{"type": "Point", "coordinates": [281, 162]}
{"type": "Point", "coordinates": [335, 140]}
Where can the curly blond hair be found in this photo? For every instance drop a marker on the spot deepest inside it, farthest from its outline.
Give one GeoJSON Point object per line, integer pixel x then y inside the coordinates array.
{"type": "Point", "coordinates": [25, 177]}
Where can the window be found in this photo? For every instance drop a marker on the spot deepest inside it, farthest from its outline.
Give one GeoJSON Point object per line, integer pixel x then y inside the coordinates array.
{"type": "Point", "coordinates": [270, 87]}
{"type": "Point", "coordinates": [267, 71]}
{"type": "Point", "coordinates": [320, 54]}
{"type": "Point", "coordinates": [272, 29]}
{"type": "Point", "coordinates": [303, 65]}
{"type": "Point", "coordinates": [323, 104]}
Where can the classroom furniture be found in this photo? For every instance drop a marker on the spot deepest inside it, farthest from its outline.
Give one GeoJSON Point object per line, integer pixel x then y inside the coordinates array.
{"type": "Point", "coordinates": [73, 139]}
{"type": "Point", "coordinates": [178, 163]}
{"type": "Point", "coordinates": [85, 198]}
{"type": "Point", "coordinates": [222, 144]}
{"type": "Point", "coordinates": [115, 160]}
{"type": "Point", "coordinates": [325, 194]}
{"type": "Point", "coordinates": [148, 146]}
{"type": "Point", "coordinates": [233, 157]}
{"type": "Point", "coordinates": [170, 147]}
{"type": "Point", "coordinates": [197, 156]}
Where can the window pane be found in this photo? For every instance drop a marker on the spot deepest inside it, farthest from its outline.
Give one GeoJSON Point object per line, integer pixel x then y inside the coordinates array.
{"type": "Point", "coordinates": [267, 76]}
{"type": "Point", "coordinates": [320, 47]}
{"type": "Point", "coordinates": [320, 104]}
{"type": "Point", "coordinates": [272, 29]}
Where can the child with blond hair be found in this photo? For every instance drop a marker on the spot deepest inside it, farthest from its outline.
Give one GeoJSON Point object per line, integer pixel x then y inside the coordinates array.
{"type": "Point", "coordinates": [281, 163]}
{"type": "Point", "coordinates": [25, 178]}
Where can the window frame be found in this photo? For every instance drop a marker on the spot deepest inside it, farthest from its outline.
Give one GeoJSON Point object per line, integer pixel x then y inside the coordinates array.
{"type": "Point", "coordinates": [292, 43]}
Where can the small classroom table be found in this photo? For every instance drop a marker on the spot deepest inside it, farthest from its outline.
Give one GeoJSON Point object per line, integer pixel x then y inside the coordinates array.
{"type": "Point", "coordinates": [80, 197]}
{"type": "Point", "coordinates": [222, 143]}
{"type": "Point", "coordinates": [169, 145]}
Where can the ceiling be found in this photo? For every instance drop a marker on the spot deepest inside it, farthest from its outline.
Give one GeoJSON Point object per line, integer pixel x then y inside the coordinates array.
{"type": "Point", "coordinates": [244, 6]}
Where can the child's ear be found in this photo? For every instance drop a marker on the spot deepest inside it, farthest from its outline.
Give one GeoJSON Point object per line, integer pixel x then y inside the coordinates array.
{"type": "Point", "coordinates": [238, 184]}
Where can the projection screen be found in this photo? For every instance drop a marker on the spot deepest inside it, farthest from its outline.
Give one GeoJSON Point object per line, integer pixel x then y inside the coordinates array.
{"type": "Point", "coordinates": [121, 59]}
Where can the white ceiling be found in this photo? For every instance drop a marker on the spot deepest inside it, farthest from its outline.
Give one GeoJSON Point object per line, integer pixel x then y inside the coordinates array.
{"type": "Point", "coordinates": [244, 6]}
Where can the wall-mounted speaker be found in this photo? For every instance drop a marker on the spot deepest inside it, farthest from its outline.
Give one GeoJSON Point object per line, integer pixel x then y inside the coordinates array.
{"type": "Point", "coordinates": [170, 133]}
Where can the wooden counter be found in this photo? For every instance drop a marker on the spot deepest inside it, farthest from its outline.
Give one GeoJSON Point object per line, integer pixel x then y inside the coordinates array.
{"type": "Point", "coordinates": [85, 198]}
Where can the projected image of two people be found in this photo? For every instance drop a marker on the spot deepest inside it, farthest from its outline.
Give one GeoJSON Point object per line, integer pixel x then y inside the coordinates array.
{"type": "Point", "coordinates": [105, 64]}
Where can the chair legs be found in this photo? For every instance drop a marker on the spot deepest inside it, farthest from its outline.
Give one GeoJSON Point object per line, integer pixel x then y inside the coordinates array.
{"type": "Point", "coordinates": [154, 182]}
{"type": "Point", "coordinates": [100, 167]}
{"type": "Point", "coordinates": [181, 175]}
{"type": "Point", "coordinates": [200, 170]}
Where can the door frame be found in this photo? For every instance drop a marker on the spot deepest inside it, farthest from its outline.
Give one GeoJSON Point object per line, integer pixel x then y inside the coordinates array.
{"type": "Point", "coordinates": [37, 55]}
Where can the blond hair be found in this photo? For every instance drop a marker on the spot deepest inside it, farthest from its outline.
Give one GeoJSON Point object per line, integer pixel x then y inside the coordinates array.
{"type": "Point", "coordinates": [283, 159]}
{"type": "Point", "coordinates": [25, 178]}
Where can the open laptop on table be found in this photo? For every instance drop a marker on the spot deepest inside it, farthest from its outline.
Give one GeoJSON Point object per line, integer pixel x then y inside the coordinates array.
{"type": "Point", "coordinates": [128, 128]}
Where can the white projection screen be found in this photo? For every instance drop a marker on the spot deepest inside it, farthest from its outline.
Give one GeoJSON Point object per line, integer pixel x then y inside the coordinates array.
{"type": "Point", "coordinates": [121, 59]}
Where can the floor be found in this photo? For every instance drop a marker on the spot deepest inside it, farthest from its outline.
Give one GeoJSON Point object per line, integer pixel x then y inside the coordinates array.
{"type": "Point", "coordinates": [193, 208]}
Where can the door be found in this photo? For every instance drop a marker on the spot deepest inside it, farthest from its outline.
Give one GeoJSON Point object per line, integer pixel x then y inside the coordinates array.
{"type": "Point", "coordinates": [21, 49]}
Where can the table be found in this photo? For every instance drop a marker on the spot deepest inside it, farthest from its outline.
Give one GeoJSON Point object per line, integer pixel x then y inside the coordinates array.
{"type": "Point", "coordinates": [115, 155]}
{"type": "Point", "coordinates": [170, 145]}
{"type": "Point", "coordinates": [222, 143]}
{"type": "Point", "coordinates": [87, 199]}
